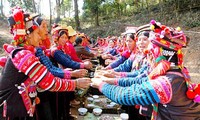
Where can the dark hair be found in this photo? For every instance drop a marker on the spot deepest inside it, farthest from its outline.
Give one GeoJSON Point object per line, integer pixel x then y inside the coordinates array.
{"type": "Point", "coordinates": [39, 20]}
{"type": "Point", "coordinates": [61, 32]}
{"type": "Point", "coordinates": [78, 41]}
{"type": "Point", "coordinates": [144, 33]}
{"type": "Point", "coordinates": [90, 41]}
{"type": "Point", "coordinates": [131, 36]}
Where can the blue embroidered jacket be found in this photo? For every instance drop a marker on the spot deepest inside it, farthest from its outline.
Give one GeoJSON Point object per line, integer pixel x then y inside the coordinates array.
{"type": "Point", "coordinates": [65, 60]}
{"type": "Point", "coordinates": [141, 91]}
{"type": "Point", "coordinates": [47, 62]}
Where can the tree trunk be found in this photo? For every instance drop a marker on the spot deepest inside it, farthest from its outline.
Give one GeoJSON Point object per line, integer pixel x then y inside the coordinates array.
{"type": "Point", "coordinates": [142, 4]}
{"type": "Point", "coordinates": [1, 7]}
{"type": "Point", "coordinates": [177, 9]}
{"type": "Point", "coordinates": [97, 18]}
{"type": "Point", "coordinates": [124, 11]}
{"type": "Point", "coordinates": [34, 7]}
{"type": "Point", "coordinates": [76, 15]}
{"type": "Point", "coordinates": [118, 9]}
{"type": "Point", "coordinates": [50, 19]}
{"type": "Point", "coordinates": [58, 5]}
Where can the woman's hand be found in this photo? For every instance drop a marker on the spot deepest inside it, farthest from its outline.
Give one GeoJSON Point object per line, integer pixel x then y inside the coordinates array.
{"type": "Point", "coordinates": [108, 61]}
{"type": "Point", "coordinates": [96, 82]}
{"type": "Point", "coordinates": [79, 73]}
{"type": "Point", "coordinates": [88, 65]}
{"type": "Point", "coordinates": [111, 74]}
{"type": "Point", "coordinates": [109, 80]}
{"type": "Point", "coordinates": [83, 82]}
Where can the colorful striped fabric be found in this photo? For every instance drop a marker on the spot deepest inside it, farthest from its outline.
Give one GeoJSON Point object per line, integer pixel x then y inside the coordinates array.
{"type": "Point", "coordinates": [136, 94]}
{"type": "Point", "coordinates": [141, 71]}
{"type": "Point", "coordinates": [140, 92]}
{"type": "Point", "coordinates": [37, 72]}
{"type": "Point", "coordinates": [128, 81]}
{"type": "Point", "coordinates": [119, 61]}
{"type": "Point", "coordinates": [46, 62]}
{"type": "Point", "coordinates": [125, 67]}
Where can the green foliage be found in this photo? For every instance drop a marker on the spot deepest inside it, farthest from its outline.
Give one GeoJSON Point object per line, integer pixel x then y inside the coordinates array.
{"type": "Point", "coordinates": [66, 7]}
{"type": "Point", "coordinates": [67, 21]}
{"type": "Point", "coordinates": [25, 4]}
{"type": "Point", "coordinates": [183, 13]}
{"type": "Point", "coordinates": [190, 19]}
{"type": "Point", "coordinates": [91, 5]}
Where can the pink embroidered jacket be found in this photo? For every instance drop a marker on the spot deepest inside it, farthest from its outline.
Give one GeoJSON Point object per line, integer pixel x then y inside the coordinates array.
{"type": "Point", "coordinates": [70, 50]}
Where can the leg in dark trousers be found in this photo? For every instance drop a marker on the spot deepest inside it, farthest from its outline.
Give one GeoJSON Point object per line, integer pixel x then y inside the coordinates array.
{"type": "Point", "coordinates": [69, 96]}
{"type": "Point", "coordinates": [43, 110]}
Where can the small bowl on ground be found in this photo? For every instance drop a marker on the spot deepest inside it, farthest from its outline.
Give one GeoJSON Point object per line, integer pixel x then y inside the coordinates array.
{"type": "Point", "coordinates": [90, 99]}
{"type": "Point", "coordinates": [82, 111]}
{"type": "Point", "coordinates": [95, 96]}
{"type": "Point", "coordinates": [97, 111]}
{"type": "Point", "coordinates": [124, 116]}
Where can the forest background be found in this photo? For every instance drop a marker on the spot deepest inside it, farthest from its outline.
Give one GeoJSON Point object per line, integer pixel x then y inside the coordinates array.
{"type": "Point", "coordinates": [110, 17]}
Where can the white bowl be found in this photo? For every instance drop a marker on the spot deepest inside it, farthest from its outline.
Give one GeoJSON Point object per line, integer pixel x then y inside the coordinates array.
{"type": "Point", "coordinates": [90, 105]}
{"type": "Point", "coordinates": [124, 116]}
{"type": "Point", "coordinates": [113, 103]}
{"type": "Point", "coordinates": [95, 96]}
{"type": "Point", "coordinates": [110, 106]}
{"type": "Point", "coordinates": [96, 100]}
{"type": "Point", "coordinates": [82, 111]}
{"type": "Point", "coordinates": [90, 99]}
{"type": "Point", "coordinates": [97, 111]}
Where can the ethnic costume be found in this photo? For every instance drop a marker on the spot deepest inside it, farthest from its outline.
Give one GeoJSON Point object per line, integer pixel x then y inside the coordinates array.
{"type": "Point", "coordinates": [23, 72]}
{"type": "Point", "coordinates": [60, 53]}
{"type": "Point", "coordinates": [125, 55]}
{"type": "Point", "coordinates": [24, 65]}
{"type": "Point", "coordinates": [165, 86]}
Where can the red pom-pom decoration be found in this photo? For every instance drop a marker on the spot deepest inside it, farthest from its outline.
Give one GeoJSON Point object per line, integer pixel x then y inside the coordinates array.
{"type": "Point", "coordinates": [197, 90]}
{"type": "Point", "coordinates": [34, 27]}
{"type": "Point", "coordinates": [163, 27]}
{"type": "Point", "coordinates": [191, 94]}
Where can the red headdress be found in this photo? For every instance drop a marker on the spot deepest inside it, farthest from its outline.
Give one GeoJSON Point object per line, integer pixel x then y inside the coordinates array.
{"type": "Point", "coordinates": [172, 40]}
{"type": "Point", "coordinates": [20, 24]}
{"type": "Point", "coordinates": [56, 29]}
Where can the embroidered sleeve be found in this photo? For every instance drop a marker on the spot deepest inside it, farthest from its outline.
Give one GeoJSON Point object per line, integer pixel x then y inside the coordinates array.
{"type": "Point", "coordinates": [113, 52]}
{"type": "Point", "coordinates": [29, 64]}
{"type": "Point", "coordinates": [118, 62]}
{"type": "Point", "coordinates": [135, 73]}
{"type": "Point", "coordinates": [58, 72]}
{"type": "Point", "coordinates": [128, 81]}
{"type": "Point", "coordinates": [146, 93]}
{"type": "Point", "coordinates": [65, 60]}
{"type": "Point", "coordinates": [136, 94]}
{"type": "Point", "coordinates": [125, 67]}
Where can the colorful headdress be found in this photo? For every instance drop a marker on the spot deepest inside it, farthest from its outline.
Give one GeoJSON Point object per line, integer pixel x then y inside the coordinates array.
{"type": "Point", "coordinates": [71, 31]}
{"type": "Point", "coordinates": [172, 40]}
{"type": "Point", "coordinates": [142, 29]}
{"type": "Point", "coordinates": [56, 30]}
{"type": "Point", "coordinates": [169, 39]}
{"type": "Point", "coordinates": [21, 24]}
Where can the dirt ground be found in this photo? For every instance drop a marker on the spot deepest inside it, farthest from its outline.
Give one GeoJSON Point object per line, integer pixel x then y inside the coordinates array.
{"type": "Point", "coordinates": [192, 54]}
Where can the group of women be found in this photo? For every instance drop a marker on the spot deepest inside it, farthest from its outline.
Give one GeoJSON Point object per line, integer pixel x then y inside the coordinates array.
{"type": "Point", "coordinates": [147, 73]}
